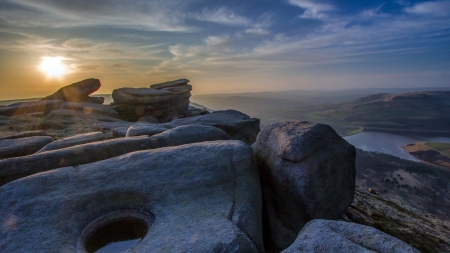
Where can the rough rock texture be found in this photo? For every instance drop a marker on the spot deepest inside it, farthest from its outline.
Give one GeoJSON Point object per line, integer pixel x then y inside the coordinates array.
{"type": "Point", "coordinates": [77, 92]}
{"type": "Point", "coordinates": [73, 141]}
{"type": "Point", "coordinates": [202, 197]}
{"type": "Point", "coordinates": [30, 107]}
{"type": "Point", "coordinates": [80, 115]}
{"type": "Point", "coordinates": [23, 134]}
{"type": "Point", "coordinates": [164, 101]}
{"type": "Point", "coordinates": [237, 125]}
{"type": "Point", "coordinates": [189, 134]}
{"type": "Point", "coordinates": [145, 129]}
{"type": "Point", "coordinates": [148, 119]}
{"type": "Point", "coordinates": [13, 168]}
{"type": "Point", "coordinates": [419, 229]}
{"type": "Point", "coordinates": [89, 108]}
{"type": "Point", "coordinates": [327, 236]}
{"type": "Point", "coordinates": [22, 146]}
{"type": "Point", "coordinates": [308, 172]}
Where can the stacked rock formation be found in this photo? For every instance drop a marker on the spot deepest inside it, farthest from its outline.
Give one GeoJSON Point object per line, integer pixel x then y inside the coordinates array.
{"type": "Point", "coordinates": [78, 92]}
{"type": "Point", "coordinates": [165, 101]}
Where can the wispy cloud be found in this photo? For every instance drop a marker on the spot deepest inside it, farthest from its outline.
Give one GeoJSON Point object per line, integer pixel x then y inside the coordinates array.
{"type": "Point", "coordinates": [434, 8]}
{"type": "Point", "coordinates": [313, 9]}
{"type": "Point", "coordinates": [222, 15]}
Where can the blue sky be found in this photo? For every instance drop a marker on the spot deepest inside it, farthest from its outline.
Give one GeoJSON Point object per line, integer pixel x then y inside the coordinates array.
{"type": "Point", "coordinates": [226, 46]}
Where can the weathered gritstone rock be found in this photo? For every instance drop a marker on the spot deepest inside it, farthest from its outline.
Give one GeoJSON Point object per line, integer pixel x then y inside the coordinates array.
{"type": "Point", "coordinates": [164, 101]}
{"type": "Point", "coordinates": [77, 92]}
{"type": "Point", "coordinates": [14, 168]}
{"type": "Point", "coordinates": [326, 236]}
{"type": "Point", "coordinates": [73, 141]}
{"type": "Point", "coordinates": [203, 197]}
{"type": "Point", "coordinates": [145, 129]}
{"type": "Point", "coordinates": [23, 134]}
{"type": "Point", "coordinates": [81, 115]}
{"type": "Point", "coordinates": [22, 146]}
{"type": "Point", "coordinates": [30, 107]}
{"type": "Point", "coordinates": [189, 134]}
{"type": "Point", "coordinates": [89, 108]}
{"type": "Point", "coordinates": [237, 125]}
{"type": "Point", "coordinates": [307, 171]}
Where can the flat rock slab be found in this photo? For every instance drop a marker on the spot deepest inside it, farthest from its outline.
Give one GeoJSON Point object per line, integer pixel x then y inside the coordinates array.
{"type": "Point", "coordinates": [141, 95]}
{"type": "Point", "coordinates": [14, 168]}
{"type": "Point", "coordinates": [24, 134]}
{"type": "Point", "coordinates": [145, 129]}
{"type": "Point", "coordinates": [22, 146]}
{"type": "Point", "coordinates": [30, 107]}
{"type": "Point", "coordinates": [189, 134]}
{"type": "Point", "coordinates": [77, 92]}
{"type": "Point", "coordinates": [89, 108]}
{"type": "Point", "coordinates": [237, 125]}
{"type": "Point", "coordinates": [175, 83]}
{"type": "Point", "coordinates": [326, 236]}
{"type": "Point", "coordinates": [73, 141]}
{"type": "Point", "coordinates": [202, 197]}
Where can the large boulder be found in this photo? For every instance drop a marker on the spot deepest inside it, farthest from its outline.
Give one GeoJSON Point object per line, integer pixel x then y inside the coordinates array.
{"type": "Point", "coordinates": [30, 107]}
{"type": "Point", "coordinates": [189, 134]}
{"type": "Point", "coordinates": [14, 168]}
{"type": "Point", "coordinates": [308, 172]}
{"type": "Point", "coordinates": [326, 236]}
{"type": "Point", "coordinates": [141, 95]}
{"type": "Point", "coordinates": [22, 146]}
{"type": "Point", "coordinates": [73, 141]}
{"type": "Point", "coordinates": [202, 197]}
{"type": "Point", "coordinates": [77, 92]}
{"type": "Point", "coordinates": [237, 125]}
{"type": "Point", "coordinates": [145, 129]}
{"type": "Point", "coordinates": [170, 84]}
{"type": "Point", "coordinates": [89, 108]}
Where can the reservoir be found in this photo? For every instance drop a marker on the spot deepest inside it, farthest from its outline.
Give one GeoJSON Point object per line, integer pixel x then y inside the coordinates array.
{"type": "Point", "coordinates": [389, 143]}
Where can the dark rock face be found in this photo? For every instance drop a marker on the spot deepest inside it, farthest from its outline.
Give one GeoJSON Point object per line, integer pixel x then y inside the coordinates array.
{"type": "Point", "coordinates": [87, 115]}
{"type": "Point", "coordinates": [22, 146]}
{"type": "Point", "coordinates": [13, 168]}
{"type": "Point", "coordinates": [308, 172]}
{"type": "Point", "coordinates": [145, 129]}
{"type": "Point", "coordinates": [24, 134]}
{"type": "Point", "coordinates": [326, 236]}
{"type": "Point", "coordinates": [201, 197]}
{"type": "Point", "coordinates": [30, 107]}
{"type": "Point", "coordinates": [237, 125]}
{"type": "Point", "coordinates": [77, 92]}
{"type": "Point", "coordinates": [73, 141]}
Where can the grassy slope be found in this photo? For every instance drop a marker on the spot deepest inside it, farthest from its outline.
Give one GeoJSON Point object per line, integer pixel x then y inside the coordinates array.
{"type": "Point", "coordinates": [444, 148]}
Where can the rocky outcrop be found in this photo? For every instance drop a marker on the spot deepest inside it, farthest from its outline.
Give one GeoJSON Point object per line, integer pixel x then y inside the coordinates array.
{"type": "Point", "coordinates": [237, 125]}
{"type": "Point", "coordinates": [145, 129]}
{"type": "Point", "coordinates": [189, 134]}
{"type": "Point", "coordinates": [22, 146]}
{"type": "Point", "coordinates": [77, 92]}
{"type": "Point", "coordinates": [89, 108]}
{"type": "Point", "coordinates": [24, 134]}
{"type": "Point", "coordinates": [326, 236]}
{"type": "Point", "coordinates": [88, 116]}
{"type": "Point", "coordinates": [308, 172]}
{"type": "Point", "coordinates": [73, 141]}
{"type": "Point", "coordinates": [164, 101]}
{"type": "Point", "coordinates": [14, 168]}
{"type": "Point", "coordinates": [201, 197]}
{"type": "Point", "coordinates": [30, 107]}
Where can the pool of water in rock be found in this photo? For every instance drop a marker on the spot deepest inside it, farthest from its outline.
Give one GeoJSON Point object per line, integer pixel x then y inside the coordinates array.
{"type": "Point", "coordinates": [117, 237]}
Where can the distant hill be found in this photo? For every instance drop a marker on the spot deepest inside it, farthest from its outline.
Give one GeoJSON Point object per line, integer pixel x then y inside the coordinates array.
{"type": "Point", "coordinates": [415, 112]}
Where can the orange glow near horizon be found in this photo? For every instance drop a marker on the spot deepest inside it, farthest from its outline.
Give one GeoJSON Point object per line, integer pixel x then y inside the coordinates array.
{"type": "Point", "coordinates": [53, 67]}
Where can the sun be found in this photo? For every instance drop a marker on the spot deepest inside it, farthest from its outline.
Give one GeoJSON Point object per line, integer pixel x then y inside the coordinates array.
{"type": "Point", "coordinates": [53, 66]}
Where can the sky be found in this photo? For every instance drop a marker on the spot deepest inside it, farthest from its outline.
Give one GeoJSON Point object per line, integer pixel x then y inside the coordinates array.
{"type": "Point", "coordinates": [224, 46]}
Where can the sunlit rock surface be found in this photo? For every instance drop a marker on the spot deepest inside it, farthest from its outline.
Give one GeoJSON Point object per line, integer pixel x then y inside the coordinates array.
{"type": "Point", "coordinates": [201, 197]}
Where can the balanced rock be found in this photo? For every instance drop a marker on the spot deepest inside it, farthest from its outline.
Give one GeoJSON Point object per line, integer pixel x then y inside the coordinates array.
{"type": "Point", "coordinates": [77, 92]}
{"type": "Point", "coordinates": [189, 134]}
{"type": "Point", "coordinates": [73, 141]}
{"type": "Point", "coordinates": [89, 108]}
{"type": "Point", "coordinates": [326, 236]}
{"type": "Point", "coordinates": [30, 107]}
{"type": "Point", "coordinates": [237, 125]}
{"type": "Point", "coordinates": [170, 84]}
{"type": "Point", "coordinates": [203, 197]}
{"type": "Point", "coordinates": [308, 172]}
{"type": "Point", "coordinates": [14, 168]}
{"type": "Point", "coordinates": [22, 146]}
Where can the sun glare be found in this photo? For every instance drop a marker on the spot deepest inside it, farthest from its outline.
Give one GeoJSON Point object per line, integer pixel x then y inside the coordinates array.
{"type": "Point", "coordinates": [52, 66]}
